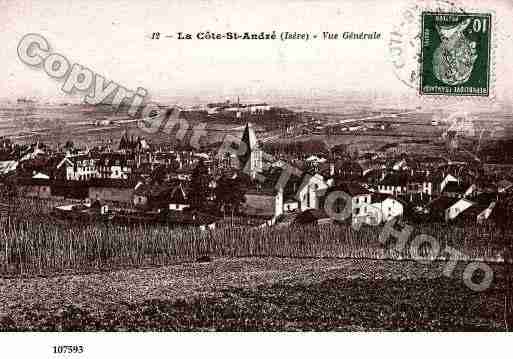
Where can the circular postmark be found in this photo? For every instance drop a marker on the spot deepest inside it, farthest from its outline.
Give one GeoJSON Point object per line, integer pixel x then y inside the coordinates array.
{"type": "Point", "coordinates": [404, 44]}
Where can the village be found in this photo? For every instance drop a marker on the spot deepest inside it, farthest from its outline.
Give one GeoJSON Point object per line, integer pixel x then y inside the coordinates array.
{"type": "Point", "coordinates": [137, 182]}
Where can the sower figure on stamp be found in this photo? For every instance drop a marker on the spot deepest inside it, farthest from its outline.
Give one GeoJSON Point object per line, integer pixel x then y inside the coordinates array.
{"type": "Point", "coordinates": [454, 59]}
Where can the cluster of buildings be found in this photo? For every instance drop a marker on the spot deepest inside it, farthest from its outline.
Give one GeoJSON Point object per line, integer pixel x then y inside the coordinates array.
{"type": "Point", "coordinates": [139, 179]}
{"type": "Point", "coordinates": [237, 108]}
{"type": "Point", "coordinates": [376, 187]}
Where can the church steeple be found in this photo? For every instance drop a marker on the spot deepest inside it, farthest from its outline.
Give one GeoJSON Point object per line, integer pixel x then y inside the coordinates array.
{"type": "Point", "coordinates": [251, 160]}
{"type": "Point", "coordinates": [124, 141]}
{"type": "Point", "coordinates": [249, 138]}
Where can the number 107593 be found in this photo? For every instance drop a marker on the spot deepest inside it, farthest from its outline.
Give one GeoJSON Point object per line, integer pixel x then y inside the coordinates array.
{"type": "Point", "coordinates": [68, 349]}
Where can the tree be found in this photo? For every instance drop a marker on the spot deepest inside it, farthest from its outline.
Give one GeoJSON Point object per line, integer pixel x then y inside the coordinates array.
{"type": "Point", "coordinates": [11, 191]}
{"type": "Point", "coordinates": [229, 195]}
{"type": "Point", "coordinates": [199, 189]}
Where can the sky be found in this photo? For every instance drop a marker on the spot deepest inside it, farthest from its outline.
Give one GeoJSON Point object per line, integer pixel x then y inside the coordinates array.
{"type": "Point", "coordinates": [113, 38]}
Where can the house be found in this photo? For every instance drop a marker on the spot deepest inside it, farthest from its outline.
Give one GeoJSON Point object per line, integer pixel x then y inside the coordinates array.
{"type": "Point", "coordinates": [386, 208]}
{"type": "Point", "coordinates": [8, 166]}
{"type": "Point", "coordinates": [40, 175]}
{"type": "Point", "coordinates": [394, 184]}
{"type": "Point", "coordinates": [167, 159]}
{"type": "Point", "coordinates": [307, 189]}
{"type": "Point", "coordinates": [142, 193]}
{"type": "Point", "coordinates": [458, 190]}
{"type": "Point", "coordinates": [43, 167]}
{"type": "Point", "coordinates": [195, 219]}
{"type": "Point", "coordinates": [304, 188]}
{"type": "Point", "coordinates": [156, 195]}
{"type": "Point", "coordinates": [34, 187]}
{"type": "Point", "coordinates": [371, 165]}
{"type": "Point", "coordinates": [85, 211]}
{"type": "Point", "coordinates": [115, 166]}
{"type": "Point", "coordinates": [419, 184]}
{"type": "Point", "coordinates": [348, 199]}
{"type": "Point", "coordinates": [32, 153]}
{"type": "Point", "coordinates": [504, 185]}
{"type": "Point", "coordinates": [138, 144]}
{"type": "Point", "coordinates": [445, 180]}
{"type": "Point", "coordinates": [78, 167]}
{"type": "Point", "coordinates": [350, 126]}
{"type": "Point", "coordinates": [347, 170]}
{"type": "Point", "coordinates": [429, 161]}
{"type": "Point", "coordinates": [237, 108]}
{"type": "Point", "coordinates": [313, 216]}
{"type": "Point", "coordinates": [479, 213]}
{"type": "Point", "coordinates": [263, 202]}
{"type": "Point", "coordinates": [315, 159]}
{"type": "Point", "coordinates": [400, 165]}
{"type": "Point", "coordinates": [483, 209]}
{"type": "Point", "coordinates": [112, 190]}
{"type": "Point", "coordinates": [179, 174]}
{"type": "Point", "coordinates": [374, 176]}
{"type": "Point", "coordinates": [447, 208]}
{"type": "Point", "coordinates": [178, 200]}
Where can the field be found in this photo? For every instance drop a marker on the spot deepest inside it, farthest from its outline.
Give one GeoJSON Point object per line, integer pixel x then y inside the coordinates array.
{"type": "Point", "coordinates": [69, 276]}
{"type": "Point", "coordinates": [56, 124]}
{"type": "Point", "coordinates": [249, 294]}
{"type": "Point", "coordinates": [32, 243]}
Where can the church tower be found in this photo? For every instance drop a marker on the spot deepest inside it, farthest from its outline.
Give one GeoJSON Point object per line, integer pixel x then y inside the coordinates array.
{"type": "Point", "coordinates": [251, 159]}
{"type": "Point", "coordinates": [123, 143]}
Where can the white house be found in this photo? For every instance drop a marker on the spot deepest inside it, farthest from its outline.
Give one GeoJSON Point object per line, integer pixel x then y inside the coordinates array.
{"type": "Point", "coordinates": [448, 178]}
{"type": "Point", "coordinates": [447, 208]}
{"type": "Point", "coordinates": [504, 185]}
{"type": "Point", "coordinates": [178, 199]}
{"type": "Point", "coordinates": [309, 191]}
{"type": "Point", "coordinates": [115, 166]}
{"type": "Point", "coordinates": [386, 208]}
{"type": "Point", "coordinates": [356, 197]}
{"type": "Point", "coordinates": [40, 175]}
{"type": "Point", "coordinates": [400, 165]}
{"type": "Point", "coordinates": [459, 190]}
{"type": "Point", "coordinates": [8, 166]}
{"type": "Point", "coordinates": [78, 168]}
{"type": "Point", "coordinates": [420, 184]}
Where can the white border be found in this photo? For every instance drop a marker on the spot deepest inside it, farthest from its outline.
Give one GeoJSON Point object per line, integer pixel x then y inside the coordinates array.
{"type": "Point", "coordinates": [259, 345]}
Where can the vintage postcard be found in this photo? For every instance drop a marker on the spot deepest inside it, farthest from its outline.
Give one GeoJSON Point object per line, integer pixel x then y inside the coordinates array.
{"type": "Point", "coordinates": [242, 166]}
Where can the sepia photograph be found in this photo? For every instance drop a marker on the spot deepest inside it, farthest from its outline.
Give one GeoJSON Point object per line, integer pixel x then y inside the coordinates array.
{"type": "Point", "coordinates": [235, 166]}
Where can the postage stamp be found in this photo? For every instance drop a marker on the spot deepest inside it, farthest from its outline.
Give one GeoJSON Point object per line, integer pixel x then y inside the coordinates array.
{"type": "Point", "coordinates": [455, 54]}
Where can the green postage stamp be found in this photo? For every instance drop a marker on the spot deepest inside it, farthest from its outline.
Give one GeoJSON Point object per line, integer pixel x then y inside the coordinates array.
{"type": "Point", "coordinates": [455, 54]}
